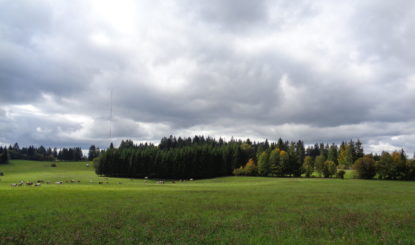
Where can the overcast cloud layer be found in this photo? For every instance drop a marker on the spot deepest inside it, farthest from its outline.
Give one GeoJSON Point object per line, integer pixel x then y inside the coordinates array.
{"type": "Point", "coordinates": [321, 71]}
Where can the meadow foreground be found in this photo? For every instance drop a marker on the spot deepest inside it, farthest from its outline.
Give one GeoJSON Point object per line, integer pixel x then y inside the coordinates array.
{"type": "Point", "coordinates": [231, 210]}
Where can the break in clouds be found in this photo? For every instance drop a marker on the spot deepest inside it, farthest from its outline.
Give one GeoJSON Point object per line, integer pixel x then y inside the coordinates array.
{"type": "Point", "coordinates": [321, 71]}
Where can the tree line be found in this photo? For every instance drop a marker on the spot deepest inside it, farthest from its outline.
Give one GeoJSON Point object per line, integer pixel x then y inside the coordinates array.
{"type": "Point", "coordinates": [330, 161]}
{"type": "Point", "coordinates": [206, 157]}
{"type": "Point", "coordinates": [45, 154]}
{"type": "Point", "coordinates": [292, 159]}
{"type": "Point", "coordinates": [172, 159]}
{"type": "Point", "coordinates": [200, 157]}
{"type": "Point", "coordinates": [395, 166]}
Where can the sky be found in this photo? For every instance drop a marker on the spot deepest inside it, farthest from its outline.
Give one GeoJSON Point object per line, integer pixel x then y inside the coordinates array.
{"type": "Point", "coordinates": [319, 71]}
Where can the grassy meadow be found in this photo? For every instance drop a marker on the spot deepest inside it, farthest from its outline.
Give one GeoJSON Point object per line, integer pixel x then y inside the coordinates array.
{"type": "Point", "coordinates": [231, 210]}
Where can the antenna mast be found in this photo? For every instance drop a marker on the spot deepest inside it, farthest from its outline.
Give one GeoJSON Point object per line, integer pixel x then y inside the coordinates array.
{"type": "Point", "coordinates": [111, 116]}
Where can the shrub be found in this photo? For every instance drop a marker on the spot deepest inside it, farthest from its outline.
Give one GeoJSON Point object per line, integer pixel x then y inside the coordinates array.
{"type": "Point", "coordinates": [319, 164]}
{"type": "Point", "coordinates": [308, 167]}
{"type": "Point", "coordinates": [365, 167]}
{"type": "Point", "coordinates": [329, 169]}
{"type": "Point", "coordinates": [250, 169]}
{"type": "Point", "coordinates": [395, 166]}
{"type": "Point", "coordinates": [385, 167]}
{"type": "Point", "coordinates": [239, 171]}
{"type": "Point", "coordinates": [340, 174]}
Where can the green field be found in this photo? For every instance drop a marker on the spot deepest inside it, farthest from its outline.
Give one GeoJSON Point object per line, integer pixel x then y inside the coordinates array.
{"type": "Point", "coordinates": [231, 210]}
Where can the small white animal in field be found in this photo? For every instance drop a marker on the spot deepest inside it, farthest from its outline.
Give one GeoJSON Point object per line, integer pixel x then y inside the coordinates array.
{"type": "Point", "coordinates": [191, 179]}
{"type": "Point", "coordinates": [146, 177]}
{"type": "Point", "coordinates": [37, 184]}
{"type": "Point", "coordinates": [59, 182]}
{"type": "Point", "coordinates": [87, 165]}
{"type": "Point", "coordinates": [13, 185]}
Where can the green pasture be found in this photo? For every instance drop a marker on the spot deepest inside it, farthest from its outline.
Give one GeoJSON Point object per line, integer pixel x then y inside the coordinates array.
{"type": "Point", "coordinates": [231, 210]}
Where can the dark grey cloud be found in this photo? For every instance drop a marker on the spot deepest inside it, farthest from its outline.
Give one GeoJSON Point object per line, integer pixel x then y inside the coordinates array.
{"type": "Point", "coordinates": [312, 70]}
{"type": "Point", "coordinates": [230, 15]}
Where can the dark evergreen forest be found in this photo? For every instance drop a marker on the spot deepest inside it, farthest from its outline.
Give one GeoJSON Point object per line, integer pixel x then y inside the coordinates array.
{"type": "Point", "coordinates": [200, 157]}
{"type": "Point", "coordinates": [43, 154]}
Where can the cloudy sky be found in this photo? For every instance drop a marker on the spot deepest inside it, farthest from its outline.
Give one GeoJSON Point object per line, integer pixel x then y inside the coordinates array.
{"type": "Point", "coordinates": [321, 71]}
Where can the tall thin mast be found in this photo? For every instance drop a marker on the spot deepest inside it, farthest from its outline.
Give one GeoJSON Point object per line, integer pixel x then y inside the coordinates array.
{"type": "Point", "coordinates": [111, 117]}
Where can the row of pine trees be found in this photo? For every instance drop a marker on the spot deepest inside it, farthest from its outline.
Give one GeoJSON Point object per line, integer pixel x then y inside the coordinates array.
{"type": "Point", "coordinates": [43, 154]}
{"type": "Point", "coordinates": [204, 158]}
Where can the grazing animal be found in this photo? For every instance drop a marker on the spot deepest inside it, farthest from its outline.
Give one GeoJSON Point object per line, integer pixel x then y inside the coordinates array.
{"type": "Point", "coordinates": [59, 182]}
{"type": "Point", "coordinates": [191, 179]}
{"type": "Point", "coordinates": [13, 185]}
{"type": "Point", "coordinates": [37, 184]}
{"type": "Point", "coordinates": [29, 183]}
{"type": "Point", "coordinates": [40, 181]}
{"type": "Point", "coordinates": [100, 183]}
{"type": "Point", "coordinates": [146, 177]}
